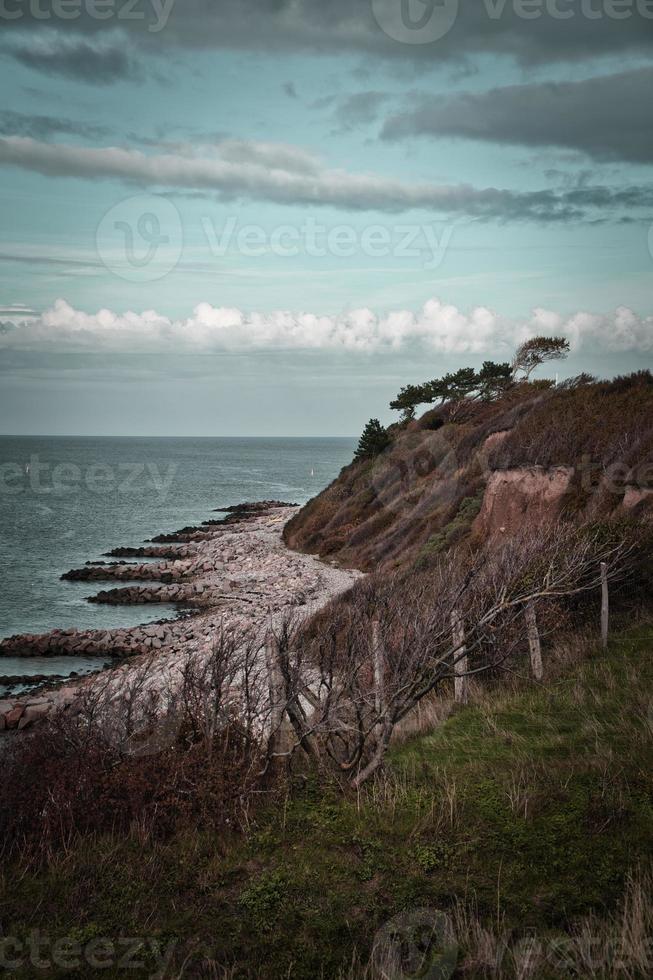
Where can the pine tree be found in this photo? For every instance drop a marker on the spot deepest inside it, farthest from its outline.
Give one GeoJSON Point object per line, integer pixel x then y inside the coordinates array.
{"type": "Point", "coordinates": [373, 440]}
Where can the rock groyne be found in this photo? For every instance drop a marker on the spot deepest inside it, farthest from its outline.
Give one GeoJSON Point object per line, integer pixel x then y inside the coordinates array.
{"type": "Point", "coordinates": [238, 574]}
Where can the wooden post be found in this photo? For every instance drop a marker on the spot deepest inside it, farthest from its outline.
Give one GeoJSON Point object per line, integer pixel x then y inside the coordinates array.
{"type": "Point", "coordinates": [534, 642]}
{"type": "Point", "coordinates": [605, 605]}
{"type": "Point", "coordinates": [378, 659]}
{"type": "Point", "coordinates": [460, 667]}
{"type": "Point", "coordinates": [276, 689]}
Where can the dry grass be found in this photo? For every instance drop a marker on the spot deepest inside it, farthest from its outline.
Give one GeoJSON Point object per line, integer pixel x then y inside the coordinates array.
{"type": "Point", "coordinates": [425, 718]}
{"type": "Point", "coordinates": [595, 948]}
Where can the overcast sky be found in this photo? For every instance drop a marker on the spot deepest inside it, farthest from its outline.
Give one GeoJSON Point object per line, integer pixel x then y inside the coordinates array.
{"type": "Point", "coordinates": [260, 217]}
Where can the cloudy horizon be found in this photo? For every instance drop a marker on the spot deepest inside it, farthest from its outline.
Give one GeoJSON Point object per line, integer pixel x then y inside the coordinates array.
{"type": "Point", "coordinates": [318, 201]}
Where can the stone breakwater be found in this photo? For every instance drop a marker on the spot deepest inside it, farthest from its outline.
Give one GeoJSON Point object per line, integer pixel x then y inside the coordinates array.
{"type": "Point", "coordinates": [235, 574]}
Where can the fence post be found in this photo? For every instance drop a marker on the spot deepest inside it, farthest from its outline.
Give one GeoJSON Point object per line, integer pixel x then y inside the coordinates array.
{"type": "Point", "coordinates": [460, 667]}
{"type": "Point", "coordinates": [276, 689]}
{"type": "Point", "coordinates": [379, 668]}
{"type": "Point", "coordinates": [605, 605]}
{"type": "Point", "coordinates": [534, 644]}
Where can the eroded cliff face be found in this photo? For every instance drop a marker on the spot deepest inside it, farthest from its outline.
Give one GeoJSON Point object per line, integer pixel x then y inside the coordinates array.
{"type": "Point", "coordinates": [513, 498]}
{"type": "Point", "coordinates": [383, 510]}
{"type": "Point", "coordinates": [581, 453]}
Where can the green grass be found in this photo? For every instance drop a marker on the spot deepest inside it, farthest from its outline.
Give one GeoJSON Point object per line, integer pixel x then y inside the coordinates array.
{"type": "Point", "coordinates": [533, 804]}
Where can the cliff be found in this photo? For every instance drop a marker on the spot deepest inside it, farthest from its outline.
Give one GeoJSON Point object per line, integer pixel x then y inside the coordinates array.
{"type": "Point", "coordinates": [472, 470]}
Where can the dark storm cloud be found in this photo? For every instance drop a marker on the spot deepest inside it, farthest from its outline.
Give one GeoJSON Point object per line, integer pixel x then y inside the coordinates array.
{"type": "Point", "coordinates": [359, 109]}
{"type": "Point", "coordinates": [531, 32]}
{"type": "Point", "coordinates": [77, 59]}
{"type": "Point", "coordinates": [608, 117]}
{"type": "Point", "coordinates": [285, 174]}
{"type": "Point", "coordinates": [49, 260]}
{"type": "Point", "coordinates": [41, 127]}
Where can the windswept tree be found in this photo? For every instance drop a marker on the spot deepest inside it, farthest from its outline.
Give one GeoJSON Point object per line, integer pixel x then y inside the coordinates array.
{"type": "Point", "coordinates": [466, 383]}
{"type": "Point", "coordinates": [409, 398]}
{"type": "Point", "coordinates": [536, 351]}
{"type": "Point", "coordinates": [487, 384]}
{"type": "Point", "coordinates": [373, 440]}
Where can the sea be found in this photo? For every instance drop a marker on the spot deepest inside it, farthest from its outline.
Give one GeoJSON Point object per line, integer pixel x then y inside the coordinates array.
{"type": "Point", "coordinates": [68, 500]}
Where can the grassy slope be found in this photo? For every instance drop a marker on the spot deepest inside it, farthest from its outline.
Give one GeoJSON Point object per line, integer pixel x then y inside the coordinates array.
{"type": "Point", "coordinates": [539, 799]}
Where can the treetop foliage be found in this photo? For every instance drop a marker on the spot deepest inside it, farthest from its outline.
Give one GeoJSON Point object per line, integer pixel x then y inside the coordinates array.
{"type": "Point", "coordinates": [536, 351]}
{"type": "Point", "coordinates": [487, 384]}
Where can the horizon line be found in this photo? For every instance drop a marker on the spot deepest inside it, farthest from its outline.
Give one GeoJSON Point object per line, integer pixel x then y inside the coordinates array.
{"type": "Point", "coordinates": [77, 435]}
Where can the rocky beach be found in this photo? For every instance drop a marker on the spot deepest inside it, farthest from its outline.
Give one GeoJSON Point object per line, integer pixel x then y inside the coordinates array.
{"type": "Point", "coordinates": [233, 574]}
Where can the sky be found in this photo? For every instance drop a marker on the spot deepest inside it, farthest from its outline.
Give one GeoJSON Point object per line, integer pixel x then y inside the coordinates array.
{"type": "Point", "coordinates": [263, 217]}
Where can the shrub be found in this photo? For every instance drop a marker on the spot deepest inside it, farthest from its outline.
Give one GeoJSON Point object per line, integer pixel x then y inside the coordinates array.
{"type": "Point", "coordinates": [122, 757]}
{"type": "Point", "coordinates": [604, 424]}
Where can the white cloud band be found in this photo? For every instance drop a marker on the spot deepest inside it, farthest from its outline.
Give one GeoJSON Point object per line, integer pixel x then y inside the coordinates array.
{"type": "Point", "coordinates": [437, 327]}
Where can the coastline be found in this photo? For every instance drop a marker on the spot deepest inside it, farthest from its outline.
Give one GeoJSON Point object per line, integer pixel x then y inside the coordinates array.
{"type": "Point", "coordinates": [236, 574]}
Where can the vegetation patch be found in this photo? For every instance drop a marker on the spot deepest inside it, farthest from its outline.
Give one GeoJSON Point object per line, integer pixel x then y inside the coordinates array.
{"type": "Point", "coordinates": [518, 817]}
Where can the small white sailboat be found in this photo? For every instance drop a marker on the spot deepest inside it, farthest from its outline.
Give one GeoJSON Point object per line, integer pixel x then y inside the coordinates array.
{"type": "Point", "coordinates": [312, 471]}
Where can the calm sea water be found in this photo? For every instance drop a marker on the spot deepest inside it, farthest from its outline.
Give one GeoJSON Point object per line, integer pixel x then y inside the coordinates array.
{"type": "Point", "coordinates": [65, 501]}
